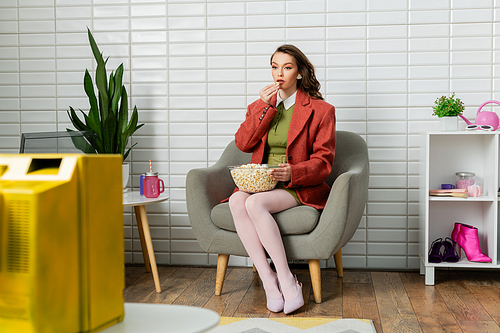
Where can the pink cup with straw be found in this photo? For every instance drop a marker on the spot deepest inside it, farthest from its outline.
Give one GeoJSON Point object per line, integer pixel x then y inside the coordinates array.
{"type": "Point", "coordinates": [152, 188]}
{"type": "Point", "coordinates": [152, 184]}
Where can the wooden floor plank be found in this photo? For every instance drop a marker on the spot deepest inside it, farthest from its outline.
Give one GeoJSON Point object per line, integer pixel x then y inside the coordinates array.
{"type": "Point", "coordinates": [357, 277]}
{"type": "Point", "coordinates": [359, 302]}
{"type": "Point", "coordinates": [200, 291]}
{"type": "Point", "coordinates": [495, 277]}
{"type": "Point", "coordinates": [430, 308]}
{"type": "Point", "coordinates": [396, 312]}
{"type": "Point", "coordinates": [253, 303]}
{"type": "Point", "coordinates": [475, 278]}
{"type": "Point", "coordinates": [235, 287]}
{"type": "Point", "coordinates": [132, 273]}
{"type": "Point", "coordinates": [174, 285]}
{"type": "Point", "coordinates": [138, 290]}
{"type": "Point", "coordinates": [144, 285]}
{"type": "Point", "coordinates": [479, 326]}
{"type": "Point", "coordinates": [459, 299]}
{"type": "Point", "coordinates": [331, 296]}
{"type": "Point", "coordinates": [489, 298]}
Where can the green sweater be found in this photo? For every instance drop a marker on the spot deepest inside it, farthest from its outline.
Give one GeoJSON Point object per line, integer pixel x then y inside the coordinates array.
{"type": "Point", "coordinates": [277, 140]}
{"type": "Point", "coordinates": [278, 130]}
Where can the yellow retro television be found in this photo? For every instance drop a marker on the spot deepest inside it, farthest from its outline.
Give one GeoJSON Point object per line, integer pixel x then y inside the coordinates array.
{"type": "Point", "coordinates": [61, 243]}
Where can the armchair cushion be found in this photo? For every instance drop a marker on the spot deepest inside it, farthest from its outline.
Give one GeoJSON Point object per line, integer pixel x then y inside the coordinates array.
{"type": "Point", "coordinates": [294, 221]}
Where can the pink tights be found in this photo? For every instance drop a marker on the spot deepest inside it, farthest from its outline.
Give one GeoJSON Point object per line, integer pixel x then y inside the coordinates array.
{"type": "Point", "coordinates": [259, 233]}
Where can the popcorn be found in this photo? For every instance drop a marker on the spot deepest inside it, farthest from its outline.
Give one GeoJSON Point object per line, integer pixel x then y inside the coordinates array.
{"type": "Point", "coordinates": [252, 177]}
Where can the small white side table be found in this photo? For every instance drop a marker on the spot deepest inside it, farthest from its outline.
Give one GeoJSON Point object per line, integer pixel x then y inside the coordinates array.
{"type": "Point", "coordinates": [153, 318]}
{"type": "Point", "coordinates": [133, 198]}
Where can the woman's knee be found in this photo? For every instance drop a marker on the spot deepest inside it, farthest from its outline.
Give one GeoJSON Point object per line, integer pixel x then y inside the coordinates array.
{"type": "Point", "coordinates": [255, 204]}
{"type": "Point", "coordinates": [269, 202]}
{"type": "Point", "coordinates": [237, 200]}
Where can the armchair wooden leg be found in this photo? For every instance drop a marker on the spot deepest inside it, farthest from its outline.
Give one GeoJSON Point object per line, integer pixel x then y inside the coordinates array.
{"type": "Point", "coordinates": [315, 271]}
{"type": "Point", "coordinates": [254, 269]}
{"type": "Point", "coordinates": [222, 261]}
{"type": "Point", "coordinates": [338, 263]}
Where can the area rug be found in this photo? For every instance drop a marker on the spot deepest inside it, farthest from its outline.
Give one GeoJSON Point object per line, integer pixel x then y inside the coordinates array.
{"type": "Point", "coordinates": [292, 325]}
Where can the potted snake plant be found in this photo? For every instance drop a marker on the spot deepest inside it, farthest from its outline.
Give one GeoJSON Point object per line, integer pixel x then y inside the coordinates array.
{"type": "Point", "coordinates": [108, 117]}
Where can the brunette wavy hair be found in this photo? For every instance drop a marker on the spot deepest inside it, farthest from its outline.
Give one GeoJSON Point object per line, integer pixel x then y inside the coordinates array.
{"type": "Point", "coordinates": [309, 84]}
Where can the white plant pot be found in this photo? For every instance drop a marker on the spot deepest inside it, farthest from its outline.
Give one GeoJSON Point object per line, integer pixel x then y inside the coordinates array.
{"type": "Point", "coordinates": [125, 174]}
{"type": "Point", "coordinates": [448, 123]}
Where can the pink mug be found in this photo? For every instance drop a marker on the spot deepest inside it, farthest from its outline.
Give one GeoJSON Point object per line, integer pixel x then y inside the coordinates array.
{"type": "Point", "coordinates": [152, 185]}
{"type": "Point", "coordinates": [474, 191]}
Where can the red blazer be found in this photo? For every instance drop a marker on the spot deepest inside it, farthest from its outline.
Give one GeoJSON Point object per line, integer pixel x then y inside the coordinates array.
{"type": "Point", "coordinates": [310, 148]}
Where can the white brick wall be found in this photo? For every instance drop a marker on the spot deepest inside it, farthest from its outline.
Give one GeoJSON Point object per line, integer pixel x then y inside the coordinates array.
{"type": "Point", "coordinates": [193, 66]}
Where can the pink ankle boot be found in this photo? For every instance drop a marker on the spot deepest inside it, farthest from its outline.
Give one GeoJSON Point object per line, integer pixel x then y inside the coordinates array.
{"type": "Point", "coordinates": [468, 239]}
{"type": "Point", "coordinates": [454, 234]}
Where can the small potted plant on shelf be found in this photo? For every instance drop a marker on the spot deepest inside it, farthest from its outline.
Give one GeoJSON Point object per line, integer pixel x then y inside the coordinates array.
{"type": "Point", "coordinates": [448, 109]}
{"type": "Point", "coordinates": [108, 117]}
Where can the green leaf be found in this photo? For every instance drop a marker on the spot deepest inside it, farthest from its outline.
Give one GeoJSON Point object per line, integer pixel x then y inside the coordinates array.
{"type": "Point", "coordinates": [97, 143]}
{"type": "Point", "coordinates": [109, 134]}
{"type": "Point", "coordinates": [102, 86]}
{"type": "Point", "coordinates": [111, 89]}
{"type": "Point", "coordinates": [131, 129]}
{"type": "Point", "coordinates": [128, 151]}
{"type": "Point", "coordinates": [93, 121]}
{"type": "Point", "coordinates": [79, 125]}
{"type": "Point", "coordinates": [123, 114]}
{"type": "Point", "coordinates": [89, 89]}
{"type": "Point", "coordinates": [117, 89]}
{"type": "Point", "coordinates": [85, 117]}
{"type": "Point", "coordinates": [81, 144]}
{"type": "Point", "coordinates": [122, 121]}
{"type": "Point", "coordinates": [132, 125]}
{"type": "Point", "coordinates": [93, 46]}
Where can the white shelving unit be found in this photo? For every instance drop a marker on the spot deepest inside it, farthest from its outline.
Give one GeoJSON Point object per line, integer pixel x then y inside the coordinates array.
{"type": "Point", "coordinates": [442, 154]}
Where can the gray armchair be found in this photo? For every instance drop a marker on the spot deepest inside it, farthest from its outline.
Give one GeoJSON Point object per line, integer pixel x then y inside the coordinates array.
{"type": "Point", "coordinates": [308, 234]}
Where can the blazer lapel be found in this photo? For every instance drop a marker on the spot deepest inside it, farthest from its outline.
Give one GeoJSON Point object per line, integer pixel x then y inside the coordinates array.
{"type": "Point", "coordinates": [301, 114]}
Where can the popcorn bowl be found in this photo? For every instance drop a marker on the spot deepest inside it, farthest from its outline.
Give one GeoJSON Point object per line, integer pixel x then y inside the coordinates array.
{"type": "Point", "coordinates": [253, 178]}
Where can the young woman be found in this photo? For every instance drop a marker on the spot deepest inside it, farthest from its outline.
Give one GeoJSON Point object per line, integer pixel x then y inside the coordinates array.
{"type": "Point", "coordinates": [290, 125]}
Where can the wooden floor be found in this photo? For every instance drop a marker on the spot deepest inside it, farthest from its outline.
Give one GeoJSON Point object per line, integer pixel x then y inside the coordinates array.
{"type": "Point", "coordinates": [460, 301]}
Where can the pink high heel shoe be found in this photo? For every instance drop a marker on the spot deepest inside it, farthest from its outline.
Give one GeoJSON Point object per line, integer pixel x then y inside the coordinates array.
{"type": "Point", "coordinates": [297, 302]}
{"type": "Point", "coordinates": [468, 239]}
{"type": "Point", "coordinates": [275, 305]}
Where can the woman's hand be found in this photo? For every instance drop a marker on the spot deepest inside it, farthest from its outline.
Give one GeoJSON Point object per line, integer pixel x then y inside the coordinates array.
{"type": "Point", "coordinates": [268, 91]}
{"type": "Point", "coordinates": [282, 174]}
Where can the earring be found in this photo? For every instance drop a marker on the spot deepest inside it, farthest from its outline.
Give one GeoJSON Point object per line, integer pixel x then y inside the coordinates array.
{"type": "Point", "coordinates": [299, 77]}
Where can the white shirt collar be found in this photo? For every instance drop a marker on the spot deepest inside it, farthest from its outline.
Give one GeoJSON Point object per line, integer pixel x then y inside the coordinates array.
{"type": "Point", "coordinates": [287, 103]}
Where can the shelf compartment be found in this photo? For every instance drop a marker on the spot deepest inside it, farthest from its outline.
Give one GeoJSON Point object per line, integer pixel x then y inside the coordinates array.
{"type": "Point", "coordinates": [444, 214]}
{"type": "Point", "coordinates": [449, 154]}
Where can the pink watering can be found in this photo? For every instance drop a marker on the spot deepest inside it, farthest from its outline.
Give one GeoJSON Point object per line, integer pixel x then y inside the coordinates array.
{"type": "Point", "coordinates": [485, 120]}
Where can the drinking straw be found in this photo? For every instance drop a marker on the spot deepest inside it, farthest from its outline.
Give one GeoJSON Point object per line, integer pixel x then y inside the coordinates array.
{"type": "Point", "coordinates": [150, 169]}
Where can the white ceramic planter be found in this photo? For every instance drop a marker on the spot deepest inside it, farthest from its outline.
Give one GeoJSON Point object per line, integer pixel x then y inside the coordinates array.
{"type": "Point", "coordinates": [447, 124]}
{"type": "Point", "coordinates": [125, 174]}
